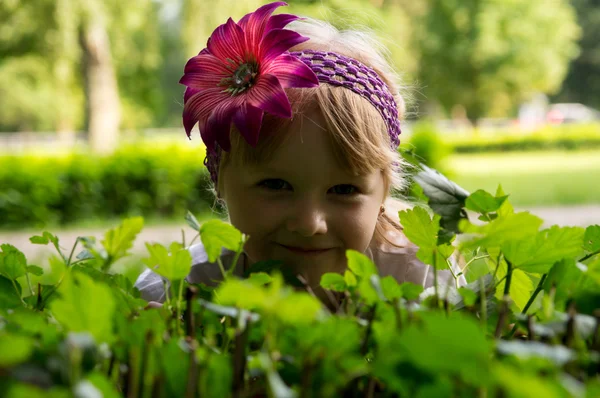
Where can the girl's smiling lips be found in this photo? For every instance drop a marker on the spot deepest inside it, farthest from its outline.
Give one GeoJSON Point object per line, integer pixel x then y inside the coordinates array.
{"type": "Point", "coordinates": [306, 250]}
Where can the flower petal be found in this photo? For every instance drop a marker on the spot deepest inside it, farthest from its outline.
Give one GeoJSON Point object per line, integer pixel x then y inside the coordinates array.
{"type": "Point", "coordinates": [291, 72]}
{"type": "Point", "coordinates": [254, 24]}
{"type": "Point", "coordinates": [199, 106]}
{"type": "Point", "coordinates": [280, 21]}
{"type": "Point", "coordinates": [218, 125]}
{"type": "Point", "coordinates": [278, 41]}
{"type": "Point", "coordinates": [204, 71]}
{"type": "Point", "coordinates": [268, 95]}
{"type": "Point", "coordinates": [227, 41]}
{"type": "Point", "coordinates": [248, 120]}
{"type": "Point", "coordinates": [189, 93]}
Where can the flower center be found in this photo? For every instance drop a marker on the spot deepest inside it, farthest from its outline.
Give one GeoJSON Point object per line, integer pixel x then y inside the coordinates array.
{"type": "Point", "coordinates": [242, 79]}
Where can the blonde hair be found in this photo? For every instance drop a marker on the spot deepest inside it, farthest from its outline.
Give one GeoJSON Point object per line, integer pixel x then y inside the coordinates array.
{"type": "Point", "coordinates": [356, 129]}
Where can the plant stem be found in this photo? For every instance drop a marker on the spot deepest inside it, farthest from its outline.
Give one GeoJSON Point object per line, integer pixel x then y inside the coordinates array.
{"type": "Point", "coordinates": [39, 297]}
{"type": "Point", "coordinates": [365, 345]}
{"type": "Point", "coordinates": [306, 383]}
{"type": "Point", "coordinates": [239, 360]}
{"type": "Point", "coordinates": [448, 263]}
{"type": "Point", "coordinates": [586, 257]}
{"type": "Point", "coordinates": [509, 271]}
{"type": "Point", "coordinates": [483, 307]}
{"type": "Point", "coordinates": [188, 315]}
{"type": "Point", "coordinates": [537, 290]}
{"type": "Point", "coordinates": [18, 293]}
{"type": "Point", "coordinates": [166, 289]}
{"type": "Point", "coordinates": [179, 299]}
{"type": "Point", "coordinates": [396, 306]}
{"type": "Point", "coordinates": [238, 253]}
{"type": "Point", "coordinates": [72, 251]}
{"type": "Point", "coordinates": [502, 315]}
{"type": "Point", "coordinates": [222, 268]}
{"type": "Point", "coordinates": [193, 371]}
{"type": "Point", "coordinates": [435, 281]}
{"type": "Point", "coordinates": [470, 262]}
{"type": "Point", "coordinates": [29, 283]}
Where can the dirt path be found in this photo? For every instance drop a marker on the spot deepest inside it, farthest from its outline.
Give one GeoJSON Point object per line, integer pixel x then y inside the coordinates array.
{"type": "Point", "coordinates": [563, 216]}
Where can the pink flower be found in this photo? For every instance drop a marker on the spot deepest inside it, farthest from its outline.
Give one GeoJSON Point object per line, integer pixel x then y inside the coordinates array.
{"type": "Point", "coordinates": [241, 74]}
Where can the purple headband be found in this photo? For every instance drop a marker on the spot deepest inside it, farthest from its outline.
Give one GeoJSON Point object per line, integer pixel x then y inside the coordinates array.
{"type": "Point", "coordinates": [244, 69]}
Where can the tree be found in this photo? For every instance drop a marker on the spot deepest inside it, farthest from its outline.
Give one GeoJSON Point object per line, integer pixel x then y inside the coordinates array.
{"type": "Point", "coordinates": [66, 64]}
{"type": "Point", "coordinates": [583, 81]}
{"type": "Point", "coordinates": [489, 55]}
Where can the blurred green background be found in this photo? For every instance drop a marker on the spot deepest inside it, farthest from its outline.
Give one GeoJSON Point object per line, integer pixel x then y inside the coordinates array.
{"type": "Point", "coordinates": [498, 92]}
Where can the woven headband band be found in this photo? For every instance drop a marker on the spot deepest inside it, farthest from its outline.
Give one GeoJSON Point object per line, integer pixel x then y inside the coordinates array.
{"type": "Point", "coordinates": [340, 71]}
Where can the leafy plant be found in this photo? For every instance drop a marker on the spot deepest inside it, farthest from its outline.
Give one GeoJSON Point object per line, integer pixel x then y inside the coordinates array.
{"type": "Point", "coordinates": [526, 325]}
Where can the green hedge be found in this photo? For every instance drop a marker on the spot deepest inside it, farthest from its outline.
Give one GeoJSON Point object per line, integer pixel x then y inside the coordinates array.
{"type": "Point", "coordinates": [565, 137]}
{"type": "Point", "coordinates": [136, 180]}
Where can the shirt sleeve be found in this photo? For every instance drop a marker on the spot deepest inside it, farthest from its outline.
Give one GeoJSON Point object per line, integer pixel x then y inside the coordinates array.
{"type": "Point", "coordinates": [151, 286]}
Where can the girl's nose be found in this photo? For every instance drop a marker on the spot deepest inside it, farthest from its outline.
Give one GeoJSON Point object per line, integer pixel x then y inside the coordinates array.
{"type": "Point", "coordinates": [307, 219]}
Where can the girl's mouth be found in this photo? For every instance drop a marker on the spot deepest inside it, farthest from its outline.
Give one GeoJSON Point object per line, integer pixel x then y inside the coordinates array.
{"type": "Point", "coordinates": [308, 251]}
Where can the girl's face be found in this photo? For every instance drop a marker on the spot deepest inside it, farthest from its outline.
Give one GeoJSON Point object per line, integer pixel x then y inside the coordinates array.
{"type": "Point", "coordinates": [302, 207]}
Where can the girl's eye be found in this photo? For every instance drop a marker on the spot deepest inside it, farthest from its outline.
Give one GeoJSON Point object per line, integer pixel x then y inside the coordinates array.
{"type": "Point", "coordinates": [344, 189]}
{"type": "Point", "coordinates": [275, 184]}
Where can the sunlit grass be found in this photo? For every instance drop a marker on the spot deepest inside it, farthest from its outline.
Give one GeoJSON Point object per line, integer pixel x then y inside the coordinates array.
{"type": "Point", "coordinates": [532, 178]}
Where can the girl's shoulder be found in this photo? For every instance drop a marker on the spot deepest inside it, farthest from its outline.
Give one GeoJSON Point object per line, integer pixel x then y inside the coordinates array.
{"type": "Point", "coordinates": [398, 258]}
{"type": "Point", "coordinates": [151, 285]}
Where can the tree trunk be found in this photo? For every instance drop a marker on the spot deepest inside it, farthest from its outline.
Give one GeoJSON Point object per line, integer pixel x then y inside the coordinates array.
{"type": "Point", "coordinates": [104, 111]}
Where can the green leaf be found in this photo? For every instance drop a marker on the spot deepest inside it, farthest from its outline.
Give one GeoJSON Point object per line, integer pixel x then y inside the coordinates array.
{"type": "Point", "coordinates": [102, 384]}
{"type": "Point", "coordinates": [350, 279]}
{"type": "Point", "coordinates": [446, 198]}
{"type": "Point", "coordinates": [175, 363]}
{"type": "Point", "coordinates": [411, 291]}
{"type": "Point", "coordinates": [14, 349]}
{"type": "Point", "coordinates": [567, 278]}
{"type": "Point", "coordinates": [35, 270]}
{"type": "Point", "coordinates": [44, 239]}
{"type": "Point", "coordinates": [174, 266]}
{"type": "Point", "coordinates": [39, 240]}
{"type": "Point", "coordinates": [521, 286]}
{"type": "Point", "coordinates": [13, 263]}
{"type": "Point", "coordinates": [217, 380]}
{"type": "Point", "coordinates": [483, 202]}
{"type": "Point", "coordinates": [506, 207]}
{"type": "Point", "coordinates": [216, 234]}
{"type": "Point", "coordinates": [260, 278]}
{"type": "Point", "coordinates": [192, 221]}
{"type": "Point", "coordinates": [298, 308]}
{"type": "Point", "coordinates": [119, 240]}
{"type": "Point", "coordinates": [538, 253]}
{"type": "Point", "coordinates": [333, 281]}
{"type": "Point", "coordinates": [468, 295]}
{"type": "Point", "coordinates": [419, 227]}
{"type": "Point", "coordinates": [361, 265]}
{"type": "Point", "coordinates": [391, 288]}
{"type": "Point", "coordinates": [438, 338]}
{"type": "Point", "coordinates": [511, 227]}
{"type": "Point", "coordinates": [9, 297]}
{"type": "Point", "coordinates": [591, 238]}
{"type": "Point", "coordinates": [85, 306]}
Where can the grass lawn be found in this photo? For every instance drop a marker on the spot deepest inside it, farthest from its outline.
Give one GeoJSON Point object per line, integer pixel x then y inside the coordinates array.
{"type": "Point", "coordinates": [532, 178]}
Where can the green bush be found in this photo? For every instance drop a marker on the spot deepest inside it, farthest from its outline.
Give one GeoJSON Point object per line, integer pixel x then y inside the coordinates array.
{"type": "Point", "coordinates": [562, 137]}
{"type": "Point", "coordinates": [426, 145]}
{"type": "Point", "coordinates": [526, 327]}
{"type": "Point", "coordinates": [136, 180]}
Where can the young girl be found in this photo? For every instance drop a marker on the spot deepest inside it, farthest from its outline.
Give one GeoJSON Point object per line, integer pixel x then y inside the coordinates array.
{"type": "Point", "coordinates": [301, 127]}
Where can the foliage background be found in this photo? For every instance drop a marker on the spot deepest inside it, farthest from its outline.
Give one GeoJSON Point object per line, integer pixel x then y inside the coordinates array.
{"type": "Point", "coordinates": [484, 55]}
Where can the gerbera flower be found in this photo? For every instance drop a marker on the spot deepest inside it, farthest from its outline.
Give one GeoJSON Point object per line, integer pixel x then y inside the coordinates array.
{"type": "Point", "coordinates": [241, 74]}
